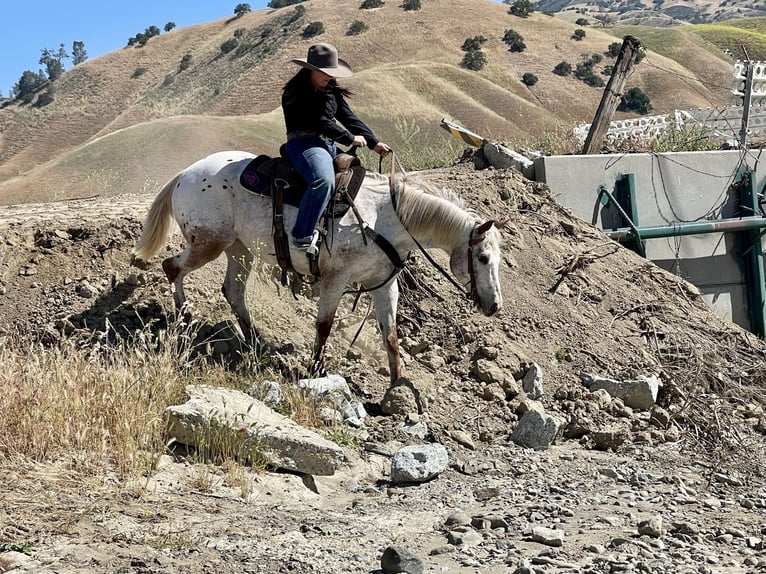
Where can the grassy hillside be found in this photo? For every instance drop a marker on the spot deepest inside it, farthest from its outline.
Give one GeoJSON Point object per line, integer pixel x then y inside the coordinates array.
{"type": "Point", "coordinates": [129, 119]}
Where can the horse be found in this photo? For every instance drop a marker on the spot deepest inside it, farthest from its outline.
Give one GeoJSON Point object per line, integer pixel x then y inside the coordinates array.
{"type": "Point", "coordinates": [216, 214]}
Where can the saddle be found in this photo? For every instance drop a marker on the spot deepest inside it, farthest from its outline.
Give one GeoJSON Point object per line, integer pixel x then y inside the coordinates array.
{"type": "Point", "coordinates": [275, 177]}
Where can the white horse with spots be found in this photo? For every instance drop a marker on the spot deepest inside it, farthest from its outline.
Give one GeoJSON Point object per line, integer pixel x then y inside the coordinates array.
{"type": "Point", "coordinates": [216, 214]}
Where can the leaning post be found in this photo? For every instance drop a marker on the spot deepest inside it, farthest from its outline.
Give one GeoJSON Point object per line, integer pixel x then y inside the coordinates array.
{"type": "Point", "coordinates": [612, 94]}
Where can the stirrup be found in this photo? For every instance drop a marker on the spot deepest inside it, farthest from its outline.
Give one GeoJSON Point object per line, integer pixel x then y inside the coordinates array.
{"type": "Point", "coordinates": [313, 249]}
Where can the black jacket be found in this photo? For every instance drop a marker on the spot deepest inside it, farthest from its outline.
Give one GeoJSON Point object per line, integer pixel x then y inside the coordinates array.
{"type": "Point", "coordinates": [307, 109]}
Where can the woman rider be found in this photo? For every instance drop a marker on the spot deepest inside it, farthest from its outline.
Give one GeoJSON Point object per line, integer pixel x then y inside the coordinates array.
{"type": "Point", "coordinates": [313, 104]}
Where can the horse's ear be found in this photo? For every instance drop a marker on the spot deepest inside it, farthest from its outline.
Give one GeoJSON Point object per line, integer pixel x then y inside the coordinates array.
{"type": "Point", "coordinates": [484, 227]}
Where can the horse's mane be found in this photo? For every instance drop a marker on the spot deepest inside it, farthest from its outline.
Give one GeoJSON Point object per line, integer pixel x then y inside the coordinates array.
{"type": "Point", "coordinates": [425, 208]}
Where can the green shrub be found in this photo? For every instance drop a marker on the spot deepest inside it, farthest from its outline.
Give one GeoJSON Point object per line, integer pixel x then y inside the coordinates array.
{"type": "Point", "coordinates": [369, 4]}
{"type": "Point", "coordinates": [521, 8]}
{"type": "Point", "coordinates": [635, 100]}
{"type": "Point", "coordinates": [563, 69]}
{"type": "Point", "coordinates": [411, 5]}
{"type": "Point", "coordinates": [514, 40]}
{"type": "Point", "coordinates": [614, 49]}
{"type": "Point", "coordinates": [473, 43]}
{"type": "Point", "coordinates": [357, 27]}
{"type": "Point", "coordinates": [138, 72]}
{"type": "Point", "coordinates": [579, 34]}
{"type": "Point", "coordinates": [313, 29]}
{"type": "Point", "coordinates": [529, 79]}
{"type": "Point", "coordinates": [229, 45]}
{"type": "Point", "coordinates": [186, 61]}
{"type": "Point", "coordinates": [474, 60]}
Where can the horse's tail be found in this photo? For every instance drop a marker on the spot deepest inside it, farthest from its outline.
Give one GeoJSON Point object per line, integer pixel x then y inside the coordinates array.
{"type": "Point", "coordinates": [157, 223]}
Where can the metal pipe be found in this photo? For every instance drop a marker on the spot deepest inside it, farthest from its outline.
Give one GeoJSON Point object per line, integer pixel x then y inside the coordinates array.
{"type": "Point", "coordinates": [694, 228]}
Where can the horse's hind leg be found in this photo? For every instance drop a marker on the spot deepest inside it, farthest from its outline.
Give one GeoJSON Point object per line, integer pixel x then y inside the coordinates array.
{"type": "Point", "coordinates": [238, 267]}
{"type": "Point", "coordinates": [195, 255]}
{"type": "Point", "coordinates": [386, 299]}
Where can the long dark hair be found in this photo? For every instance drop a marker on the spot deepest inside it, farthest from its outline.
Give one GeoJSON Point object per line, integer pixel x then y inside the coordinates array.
{"type": "Point", "coordinates": [302, 80]}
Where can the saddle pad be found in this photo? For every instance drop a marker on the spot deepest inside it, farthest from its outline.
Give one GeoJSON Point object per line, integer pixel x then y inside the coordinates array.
{"type": "Point", "coordinates": [256, 178]}
{"type": "Point", "coordinates": [259, 173]}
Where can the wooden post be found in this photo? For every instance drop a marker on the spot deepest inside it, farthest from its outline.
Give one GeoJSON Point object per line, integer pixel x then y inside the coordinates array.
{"type": "Point", "coordinates": [612, 95]}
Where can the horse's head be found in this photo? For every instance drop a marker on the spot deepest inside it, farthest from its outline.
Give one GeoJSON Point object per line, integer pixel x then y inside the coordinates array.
{"type": "Point", "coordinates": [477, 263]}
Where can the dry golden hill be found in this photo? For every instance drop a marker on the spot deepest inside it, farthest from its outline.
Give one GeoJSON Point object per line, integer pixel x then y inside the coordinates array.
{"type": "Point", "coordinates": [129, 120]}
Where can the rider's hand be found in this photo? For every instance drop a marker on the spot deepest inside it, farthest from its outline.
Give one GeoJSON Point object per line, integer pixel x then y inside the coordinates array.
{"type": "Point", "coordinates": [359, 141]}
{"type": "Point", "coordinates": [382, 149]}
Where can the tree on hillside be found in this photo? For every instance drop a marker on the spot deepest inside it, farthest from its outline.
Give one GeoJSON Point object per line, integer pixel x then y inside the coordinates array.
{"type": "Point", "coordinates": [79, 55]}
{"type": "Point", "coordinates": [614, 49]}
{"type": "Point", "coordinates": [520, 8]}
{"type": "Point", "coordinates": [562, 69]}
{"type": "Point", "coordinates": [473, 43]}
{"type": "Point", "coordinates": [635, 100]}
{"type": "Point", "coordinates": [514, 40]}
{"type": "Point", "coordinates": [51, 59]}
{"type": "Point", "coordinates": [356, 28]}
{"type": "Point", "coordinates": [143, 37]}
{"type": "Point", "coordinates": [29, 83]}
{"type": "Point", "coordinates": [313, 29]}
{"type": "Point", "coordinates": [370, 4]}
{"type": "Point", "coordinates": [411, 5]}
{"type": "Point", "coordinates": [242, 9]}
{"type": "Point", "coordinates": [529, 79]}
{"type": "Point", "coordinates": [474, 60]}
{"type": "Point", "coordinates": [169, 26]}
{"type": "Point", "coordinates": [579, 34]}
{"type": "Point", "coordinates": [283, 3]}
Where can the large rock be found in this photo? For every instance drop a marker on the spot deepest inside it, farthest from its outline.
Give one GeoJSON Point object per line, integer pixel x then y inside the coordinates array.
{"type": "Point", "coordinates": [536, 430]}
{"type": "Point", "coordinates": [418, 463]}
{"type": "Point", "coordinates": [638, 394]}
{"type": "Point", "coordinates": [231, 421]}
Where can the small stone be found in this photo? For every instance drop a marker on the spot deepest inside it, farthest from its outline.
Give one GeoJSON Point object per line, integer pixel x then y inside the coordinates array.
{"type": "Point", "coordinates": [651, 527]}
{"type": "Point", "coordinates": [548, 536]}
{"type": "Point", "coordinates": [396, 560]}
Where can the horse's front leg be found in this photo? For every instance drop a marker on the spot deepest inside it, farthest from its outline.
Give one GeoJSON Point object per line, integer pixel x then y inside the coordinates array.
{"type": "Point", "coordinates": [330, 292]}
{"type": "Point", "coordinates": [386, 300]}
{"type": "Point", "coordinates": [238, 268]}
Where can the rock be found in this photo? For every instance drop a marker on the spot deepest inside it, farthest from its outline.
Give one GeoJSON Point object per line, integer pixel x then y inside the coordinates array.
{"type": "Point", "coordinates": [464, 538]}
{"type": "Point", "coordinates": [488, 372]}
{"type": "Point", "coordinates": [404, 397]}
{"type": "Point", "coordinates": [610, 438]}
{"type": "Point", "coordinates": [651, 527]}
{"type": "Point", "coordinates": [418, 429]}
{"type": "Point", "coordinates": [548, 536]}
{"type": "Point", "coordinates": [535, 430]}
{"type": "Point", "coordinates": [418, 463]}
{"type": "Point", "coordinates": [247, 428]}
{"type": "Point", "coordinates": [458, 518]}
{"type": "Point", "coordinates": [326, 385]}
{"type": "Point", "coordinates": [500, 157]}
{"type": "Point", "coordinates": [397, 560]}
{"type": "Point", "coordinates": [659, 418]}
{"type": "Point", "coordinates": [532, 383]}
{"type": "Point", "coordinates": [638, 394]}
{"type": "Point", "coordinates": [462, 438]}
{"type": "Point", "coordinates": [524, 566]}
{"type": "Point", "coordinates": [268, 392]}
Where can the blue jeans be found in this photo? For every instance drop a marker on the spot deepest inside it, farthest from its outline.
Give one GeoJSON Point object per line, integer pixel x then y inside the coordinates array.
{"type": "Point", "coordinates": [312, 159]}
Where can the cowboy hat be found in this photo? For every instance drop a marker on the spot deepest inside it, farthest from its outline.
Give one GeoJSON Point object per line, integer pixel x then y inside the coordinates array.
{"type": "Point", "coordinates": [324, 57]}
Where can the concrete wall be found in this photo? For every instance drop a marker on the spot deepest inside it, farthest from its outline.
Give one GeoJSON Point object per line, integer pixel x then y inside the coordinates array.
{"type": "Point", "coordinates": [670, 188]}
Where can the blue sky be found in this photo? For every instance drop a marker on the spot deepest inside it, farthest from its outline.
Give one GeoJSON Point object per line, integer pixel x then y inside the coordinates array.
{"type": "Point", "coordinates": [103, 25]}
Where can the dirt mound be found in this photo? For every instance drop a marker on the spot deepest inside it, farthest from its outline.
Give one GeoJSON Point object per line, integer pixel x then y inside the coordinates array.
{"type": "Point", "coordinates": [575, 303]}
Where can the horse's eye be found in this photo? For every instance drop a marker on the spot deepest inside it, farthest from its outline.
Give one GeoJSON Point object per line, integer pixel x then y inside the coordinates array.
{"type": "Point", "coordinates": [483, 259]}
